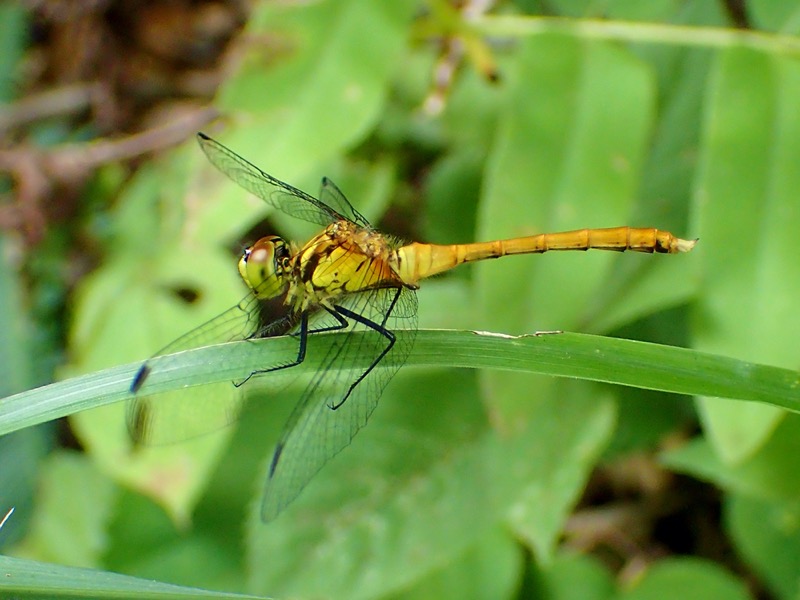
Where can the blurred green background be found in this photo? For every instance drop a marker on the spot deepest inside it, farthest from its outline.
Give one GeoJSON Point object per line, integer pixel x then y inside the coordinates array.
{"type": "Point", "coordinates": [676, 115]}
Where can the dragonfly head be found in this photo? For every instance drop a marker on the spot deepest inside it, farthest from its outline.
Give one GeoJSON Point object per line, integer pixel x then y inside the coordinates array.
{"type": "Point", "coordinates": [264, 266]}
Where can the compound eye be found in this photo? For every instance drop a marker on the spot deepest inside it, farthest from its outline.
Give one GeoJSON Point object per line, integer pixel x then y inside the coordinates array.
{"type": "Point", "coordinates": [263, 268]}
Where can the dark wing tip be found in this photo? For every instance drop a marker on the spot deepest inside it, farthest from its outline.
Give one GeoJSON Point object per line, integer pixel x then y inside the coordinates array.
{"type": "Point", "coordinates": [139, 379]}
{"type": "Point", "coordinates": [275, 457]}
{"type": "Point", "coordinates": [203, 136]}
{"type": "Point", "coordinates": [138, 422]}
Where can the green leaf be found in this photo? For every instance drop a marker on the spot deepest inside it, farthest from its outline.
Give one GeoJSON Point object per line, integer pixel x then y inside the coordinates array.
{"type": "Point", "coordinates": [592, 122]}
{"type": "Point", "coordinates": [767, 535]}
{"type": "Point", "coordinates": [574, 577]}
{"type": "Point", "coordinates": [687, 579]}
{"type": "Point", "coordinates": [15, 327]}
{"type": "Point", "coordinates": [776, 16]}
{"type": "Point", "coordinates": [14, 27]}
{"type": "Point", "coordinates": [572, 355]}
{"type": "Point", "coordinates": [21, 453]}
{"type": "Point", "coordinates": [108, 307]}
{"type": "Point", "coordinates": [770, 474]}
{"type": "Point", "coordinates": [323, 96]}
{"type": "Point", "coordinates": [578, 356]}
{"type": "Point", "coordinates": [489, 570]}
{"type": "Point", "coordinates": [567, 155]}
{"type": "Point", "coordinates": [324, 542]}
{"type": "Point", "coordinates": [72, 511]}
{"type": "Point", "coordinates": [747, 217]}
{"type": "Point", "coordinates": [546, 477]}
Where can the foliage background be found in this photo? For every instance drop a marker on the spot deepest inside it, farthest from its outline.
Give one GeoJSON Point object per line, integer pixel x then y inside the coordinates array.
{"type": "Point", "coordinates": [465, 484]}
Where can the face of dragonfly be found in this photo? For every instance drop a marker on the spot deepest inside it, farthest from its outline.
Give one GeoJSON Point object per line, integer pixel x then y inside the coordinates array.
{"type": "Point", "coordinates": [264, 266]}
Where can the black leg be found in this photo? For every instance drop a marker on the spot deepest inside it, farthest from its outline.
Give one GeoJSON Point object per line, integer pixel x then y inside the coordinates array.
{"type": "Point", "coordinates": [377, 327]}
{"type": "Point", "coordinates": [301, 354]}
{"type": "Point", "coordinates": [301, 351]}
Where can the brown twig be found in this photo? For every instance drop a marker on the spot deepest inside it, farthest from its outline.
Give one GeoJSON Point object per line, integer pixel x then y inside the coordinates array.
{"type": "Point", "coordinates": [64, 100]}
{"type": "Point", "coordinates": [37, 172]}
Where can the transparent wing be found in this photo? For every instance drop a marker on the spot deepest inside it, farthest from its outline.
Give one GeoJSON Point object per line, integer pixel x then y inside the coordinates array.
{"type": "Point", "coordinates": [170, 417]}
{"type": "Point", "coordinates": [276, 193]}
{"type": "Point", "coordinates": [331, 195]}
{"type": "Point", "coordinates": [315, 432]}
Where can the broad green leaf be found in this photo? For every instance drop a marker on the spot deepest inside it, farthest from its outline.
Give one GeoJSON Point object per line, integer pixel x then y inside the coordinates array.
{"type": "Point", "coordinates": [491, 569]}
{"type": "Point", "coordinates": [453, 191]}
{"type": "Point", "coordinates": [15, 326]}
{"type": "Point", "coordinates": [567, 155]}
{"type": "Point", "coordinates": [430, 434]}
{"type": "Point", "coordinates": [631, 10]}
{"type": "Point", "coordinates": [747, 216]}
{"type": "Point", "coordinates": [149, 315]}
{"type": "Point", "coordinates": [568, 444]}
{"type": "Point", "coordinates": [137, 297]}
{"type": "Point", "coordinates": [686, 579]}
{"type": "Point", "coordinates": [770, 474]}
{"type": "Point", "coordinates": [320, 94]}
{"type": "Point", "coordinates": [574, 577]}
{"type": "Point", "coordinates": [143, 542]}
{"type": "Point", "coordinates": [467, 474]}
{"type": "Point", "coordinates": [13, 33]}
{"type": "Point", "coordinates": [428, 497]}
{"type": "Point", "coordinates": [767, 535]}
{"type": "Point", "coordinates": [20, 453]}
{"type": "Point", "coordinates": [783, 17]}
{"type": "Point", "coordinates": [73, 508]}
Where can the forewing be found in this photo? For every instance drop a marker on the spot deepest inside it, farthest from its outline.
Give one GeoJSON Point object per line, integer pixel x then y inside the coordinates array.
{"type": "Point", "coordinates": [315, 432]}
{"type": "Point", "coordinates": [276, 193]}
{"type": "Point", "coordinates": [332, 196]}
{"type": "Point", "coordinates": [187, 413]}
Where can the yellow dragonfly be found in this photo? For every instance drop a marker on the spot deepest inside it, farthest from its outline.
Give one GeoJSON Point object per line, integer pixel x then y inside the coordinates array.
{"type": "Point", "coordinates": [349, 278]}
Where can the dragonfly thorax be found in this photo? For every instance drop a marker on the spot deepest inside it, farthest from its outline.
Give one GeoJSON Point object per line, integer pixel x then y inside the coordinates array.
{"type": "Point", "coordinates": [344, 259]}
{"type": "Point", "coordinates": [265, 267]}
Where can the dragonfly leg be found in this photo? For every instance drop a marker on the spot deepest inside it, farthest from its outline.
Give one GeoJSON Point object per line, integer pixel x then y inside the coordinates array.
{"type": "Point", "coordinates": [301, 354]}
{"type": "Point", "coordinates": [377, 327]}
{"type": "Point", "coordinates": [301, 351]}
{"type": "Point", "coordinates": [391, 306]}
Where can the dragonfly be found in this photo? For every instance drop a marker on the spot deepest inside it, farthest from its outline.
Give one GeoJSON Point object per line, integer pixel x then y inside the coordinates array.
{"type": "Point", "coordinates": [349, 279]}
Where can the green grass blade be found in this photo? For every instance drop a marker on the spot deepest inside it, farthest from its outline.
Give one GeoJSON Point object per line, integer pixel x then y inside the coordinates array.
{"type": "Point", "coordinates": [594, 358]}
{"type": "Point", "coordinates": [31, 579]}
